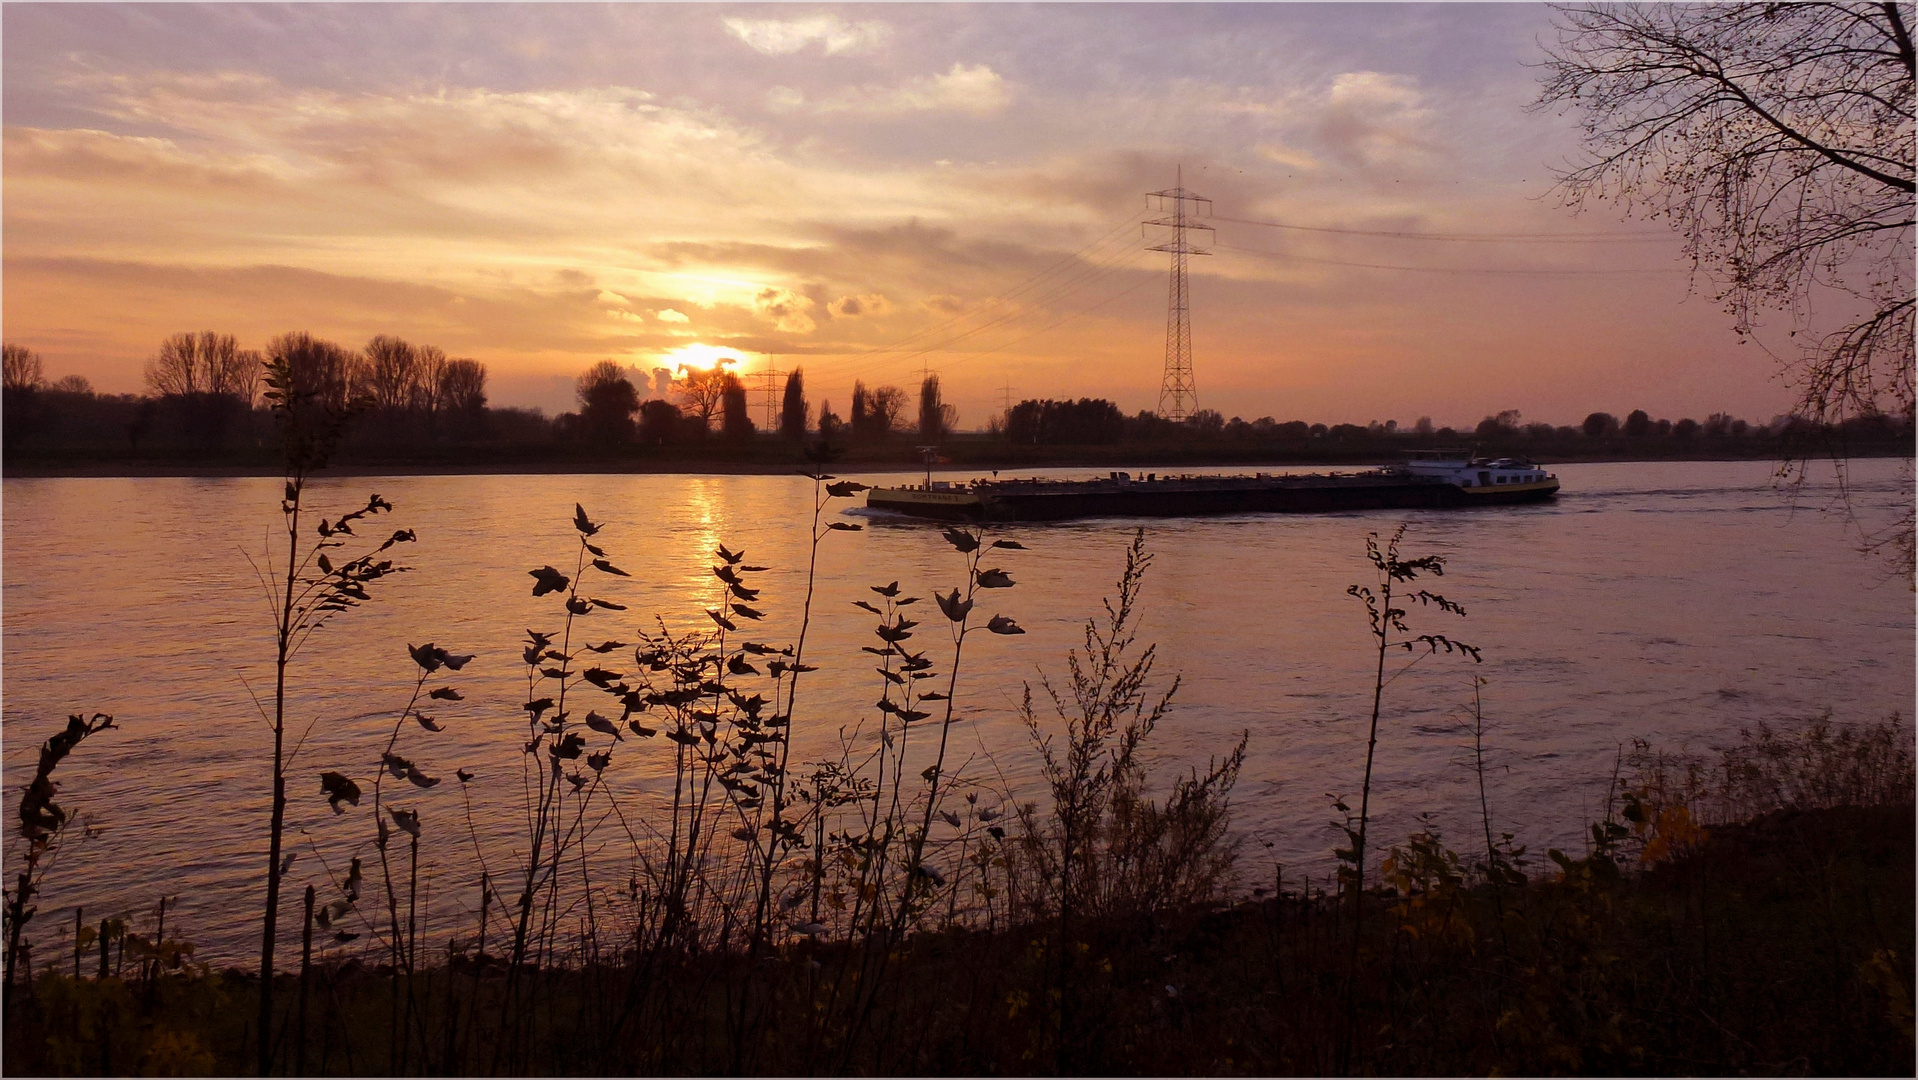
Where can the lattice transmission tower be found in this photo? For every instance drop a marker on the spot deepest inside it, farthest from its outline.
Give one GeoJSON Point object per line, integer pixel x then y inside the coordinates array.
{"type": "Point", "coordinates": [773, 392]}
{"type": "Point", "coordinates": [1178, 392]}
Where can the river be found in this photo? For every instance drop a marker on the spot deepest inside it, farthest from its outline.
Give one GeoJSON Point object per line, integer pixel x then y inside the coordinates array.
{"type": "Point", "coordinates": [1671, 602]}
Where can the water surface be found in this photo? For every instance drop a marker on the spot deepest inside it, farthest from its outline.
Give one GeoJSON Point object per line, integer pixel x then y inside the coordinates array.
{"type": "Point", "coordinates": [1673, 602]}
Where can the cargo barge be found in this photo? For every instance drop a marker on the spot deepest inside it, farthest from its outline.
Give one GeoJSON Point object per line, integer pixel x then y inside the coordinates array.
{"type": "Point", "coordinates": [1431, 483]}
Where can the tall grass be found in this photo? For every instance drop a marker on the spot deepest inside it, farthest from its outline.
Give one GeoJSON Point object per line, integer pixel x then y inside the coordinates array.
{"type": "Point", "coordinates": [305, 592]}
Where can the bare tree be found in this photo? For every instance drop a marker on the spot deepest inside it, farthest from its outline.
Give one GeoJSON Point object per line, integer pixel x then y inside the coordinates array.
{"type": "Point", "coordinates": [318, 368]}
{"type": "Point", "coordinates": [429, 366]}
{"type": "Point", "coordinates": [19, 395]}
{"type": "Point", "coordinates": [702, 392]}
{"type": "Point", "coordinates": [885, 408]}
{"type": "Point", "coordinates": [175, 370]}
{"type": "Point", "coordinates": [23, 370]}
{"type": "Point", "coordinates": [461, 386]}
{"type": "Point", "coordinates": [204, 363]}
{"type": "Point", "coordinates": [390, 372]}
{"type": "Point", "coordinates": [1778, 138]}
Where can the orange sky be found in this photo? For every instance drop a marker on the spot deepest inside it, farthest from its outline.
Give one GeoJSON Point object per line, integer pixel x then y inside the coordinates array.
{"type": "Point", "coordinates": [865, 191]}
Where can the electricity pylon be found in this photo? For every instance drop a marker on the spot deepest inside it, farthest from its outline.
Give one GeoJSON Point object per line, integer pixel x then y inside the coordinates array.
{"type": "Point", "coordinates": [1178, 392]}
{"type": "Point", "coordinates": [774, 392]}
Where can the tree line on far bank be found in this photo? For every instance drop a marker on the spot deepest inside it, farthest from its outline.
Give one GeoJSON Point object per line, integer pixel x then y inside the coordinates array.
{"type": "Point", "coordinates": [203, 400]}
{"type": "Point", "coordinates": [204, 396]}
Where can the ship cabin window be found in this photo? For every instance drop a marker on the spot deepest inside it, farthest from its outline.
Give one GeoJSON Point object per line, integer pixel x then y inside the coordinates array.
{"type": "Point", "coordinates": [1484, 478]}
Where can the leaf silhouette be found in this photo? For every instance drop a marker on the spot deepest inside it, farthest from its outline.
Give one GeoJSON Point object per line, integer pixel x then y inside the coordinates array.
{"type": "Point", "coordinates": [585, 527]}
{"type": "Point", "coordinates": [843, 526]}
{"type": "Point", "coordinates": [961, 539]}
{"type": "Point", "coordinates": [428, 722]}
{"type": "Point", "coordinates": [602, 725]}
{"type": "Point", "coordinates": [994, 579]}
{"type": "Point", "coordinates": [407, 820]}
{"type": "Point", "coordinates": [602, 564]}
{"type": "Point", "coordinates": [446, 693]}
{"type": "Point", "coordinates": [746, 612]}
{"type": "Point", "coordinates": [1013, 544]}
{"type": "Point", "coordinates": [844, 488]}
{"type": "Point", "coordinates": [729, 556]}
{"type": "Point", "coordinates": [999, 624]}
{"type": "Point", "coordinates": [337, 789]}
{"type": "Point", "coordinates": [464, 776]}
{"type": "Point", "coordinates": [548, 580]}
{"type": "Point", "coordinates": [420, 779]}
{"type": "Point", "coordinates": [955, 608]}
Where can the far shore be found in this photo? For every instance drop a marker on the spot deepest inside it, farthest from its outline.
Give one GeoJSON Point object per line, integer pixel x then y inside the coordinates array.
{"type": "Point", "coordinates": [1092, 458]}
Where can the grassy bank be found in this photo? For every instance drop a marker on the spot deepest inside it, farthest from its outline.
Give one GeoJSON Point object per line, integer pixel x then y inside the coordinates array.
{"type": "Point", "coordinates": [1778, 946]}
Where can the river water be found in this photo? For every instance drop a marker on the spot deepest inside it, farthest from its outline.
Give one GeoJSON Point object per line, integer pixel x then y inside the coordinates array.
{"type": "Point", "coordinates": [1673, 602]}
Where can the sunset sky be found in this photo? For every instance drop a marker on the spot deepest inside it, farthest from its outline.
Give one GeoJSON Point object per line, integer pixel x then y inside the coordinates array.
{"type": "Point", "coordinates": [865, 191]}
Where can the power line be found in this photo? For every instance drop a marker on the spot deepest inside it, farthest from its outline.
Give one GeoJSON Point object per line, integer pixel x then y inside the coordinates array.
{"type": "Point", "coordinates": [1465, 238]}
{"type": "Point", "coordinates": [1283, 256]}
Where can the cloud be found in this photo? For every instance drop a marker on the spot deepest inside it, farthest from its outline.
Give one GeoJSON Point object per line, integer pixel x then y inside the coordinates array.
{"type": "Point", "coordinates": [1373, 119]}
{"type": "Point", "coordinates": [671, 316]}
{"type": "Point", "coordinates": [781, 37]}
{"type": "Point", "coordinates": [1287, 156]}
{"type": "Point", "coordinates": [977, 90]}
{"type": "Point", "coordinates": [786, 309]}
{"type": "Point", "coordinates": [851, 307]}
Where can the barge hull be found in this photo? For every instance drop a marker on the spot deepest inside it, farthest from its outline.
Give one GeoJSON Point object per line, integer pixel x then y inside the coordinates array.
{"type": "Point", "coordinates": [1150, 500]}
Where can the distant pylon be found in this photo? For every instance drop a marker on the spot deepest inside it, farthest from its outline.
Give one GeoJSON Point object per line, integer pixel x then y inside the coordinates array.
{"type": "Point", "coordinates": [1178, 392]}
{"type": "Point", "coordinates": [773, 393]}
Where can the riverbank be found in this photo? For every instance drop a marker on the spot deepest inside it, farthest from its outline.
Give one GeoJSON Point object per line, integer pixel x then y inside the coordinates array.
{"type": "Point", "coordinates": [890, 459]}
{"type": "Point", "coordinates": [1782, 945]}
